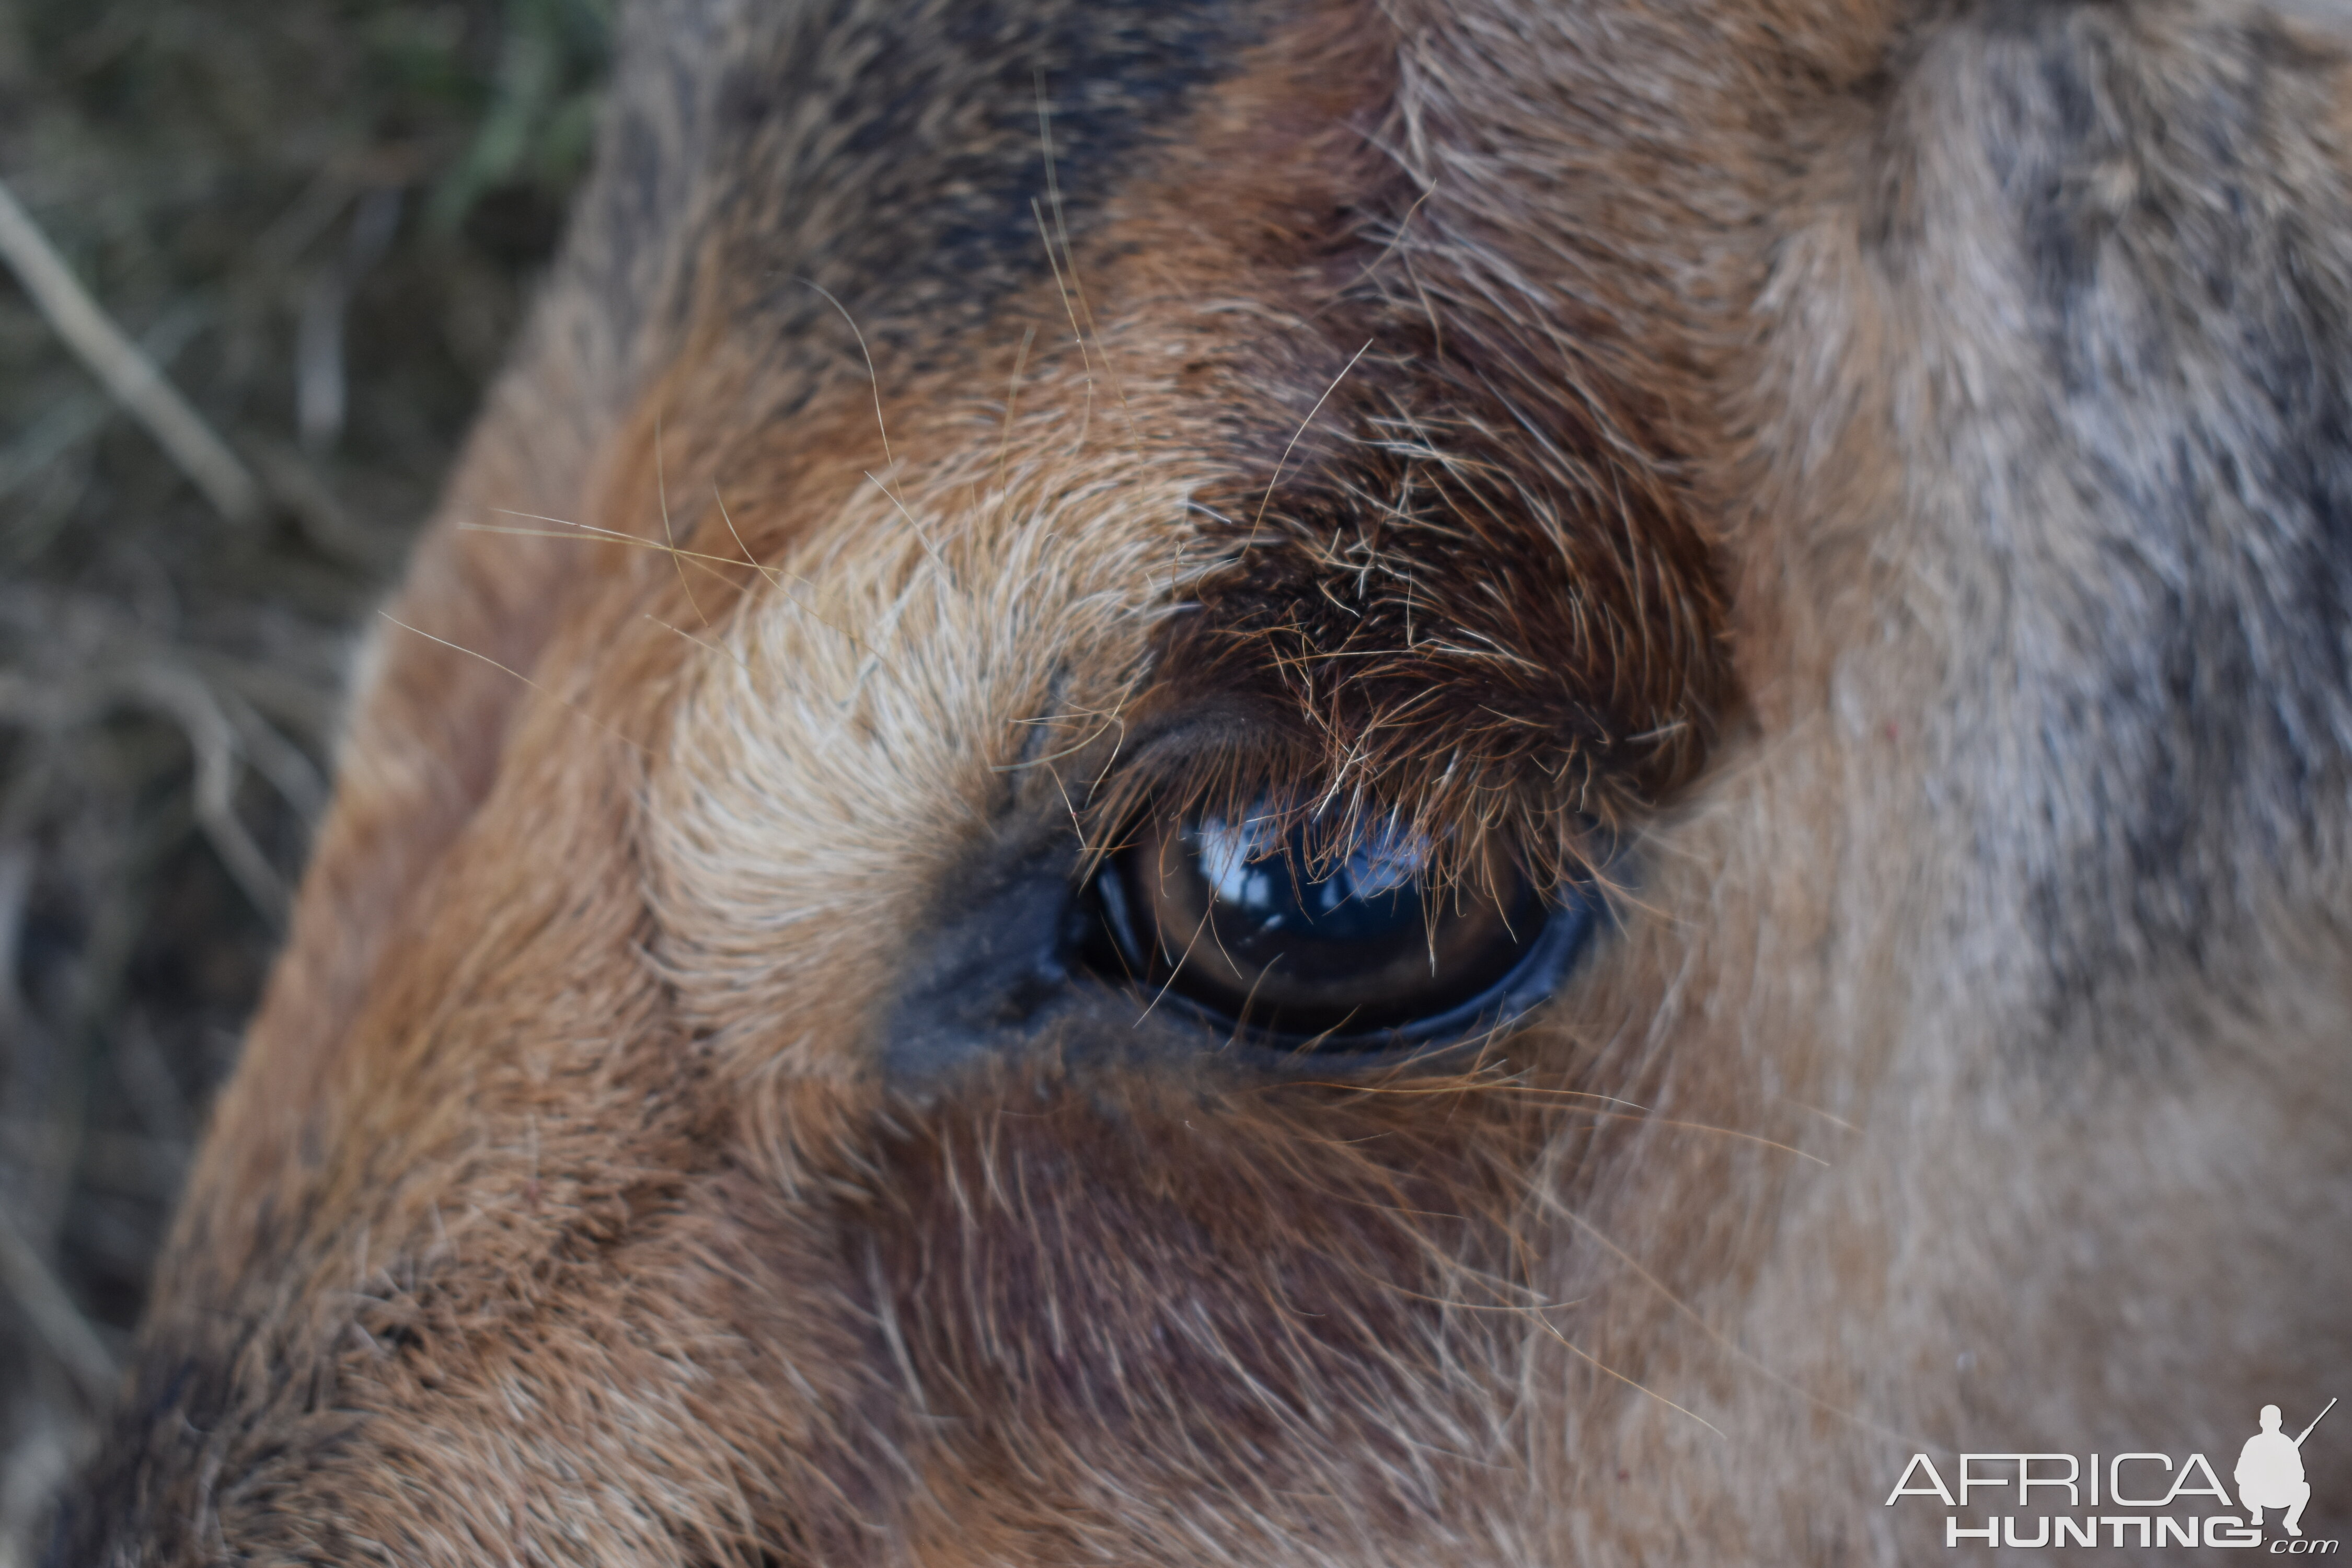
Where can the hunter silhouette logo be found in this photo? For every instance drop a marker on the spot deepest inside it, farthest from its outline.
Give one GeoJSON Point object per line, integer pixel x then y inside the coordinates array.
{"type": "Point", "coordinates": [2141, 1500]}
{"type": "Point", "coordinates": [2270, 1471]}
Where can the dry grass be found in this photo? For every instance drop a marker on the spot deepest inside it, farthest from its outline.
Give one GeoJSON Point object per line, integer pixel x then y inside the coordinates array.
{"type": "Point", "coordinates": [320, 220]}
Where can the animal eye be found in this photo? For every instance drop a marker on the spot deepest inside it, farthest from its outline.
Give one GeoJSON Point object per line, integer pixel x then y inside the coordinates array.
{"type": "Point", "coordinates": [1262, 925]}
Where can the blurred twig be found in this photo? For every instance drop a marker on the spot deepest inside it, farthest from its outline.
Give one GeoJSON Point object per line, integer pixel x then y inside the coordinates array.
{"type": "Point", "coordinates": [50, 1309]}
{"type": "Point", "coordinates": [176, 691]}
{"type": "Point", "coordinates": [319, 396]}
{"type": "Point", "coordinates": [16, 892]}
{"type": "Point", "coordinates": [214, 739]}
{"type": "Point", "coordinates": [129, 375]}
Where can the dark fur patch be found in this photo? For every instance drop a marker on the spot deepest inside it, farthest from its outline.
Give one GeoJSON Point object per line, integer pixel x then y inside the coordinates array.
{"type": "Point", "coordinates": [1473, 589]}
{"type": "Point", "coordinates": [901, 178]}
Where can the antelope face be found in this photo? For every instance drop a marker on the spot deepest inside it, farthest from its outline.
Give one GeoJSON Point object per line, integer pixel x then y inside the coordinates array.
{"type": "Point", "coordinates": [1327, 783]}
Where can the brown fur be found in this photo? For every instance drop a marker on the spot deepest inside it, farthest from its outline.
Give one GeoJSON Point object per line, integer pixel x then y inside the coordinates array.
{"type": "Point", "coordinates": [1869, 474]}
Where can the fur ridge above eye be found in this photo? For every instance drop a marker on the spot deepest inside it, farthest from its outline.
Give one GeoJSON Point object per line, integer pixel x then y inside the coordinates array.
{"type": "Point", "coordinates": [1262, 925]}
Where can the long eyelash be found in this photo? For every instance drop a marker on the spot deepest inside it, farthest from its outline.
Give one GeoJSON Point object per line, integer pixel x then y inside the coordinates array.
{"type": "Point", "coordinates": [1225, 770]}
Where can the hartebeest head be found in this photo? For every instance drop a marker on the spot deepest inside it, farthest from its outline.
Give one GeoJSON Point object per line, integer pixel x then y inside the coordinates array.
{"type": "Point", "coordinates": [1327, 783]}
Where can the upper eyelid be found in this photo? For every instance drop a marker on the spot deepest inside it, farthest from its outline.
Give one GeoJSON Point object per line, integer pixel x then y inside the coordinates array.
{"type": "Point", "coordinates": [1233, 748]}
{"type": "Point", "coordinates": [1181, 757]}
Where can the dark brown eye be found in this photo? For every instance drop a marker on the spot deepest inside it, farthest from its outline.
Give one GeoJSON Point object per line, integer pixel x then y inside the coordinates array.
{"type": "Point", "coordinates": [1254, 921]}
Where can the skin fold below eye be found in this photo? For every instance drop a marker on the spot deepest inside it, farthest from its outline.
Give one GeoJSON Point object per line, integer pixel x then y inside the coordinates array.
{"type": "Point", "coordinates": [1258, 924]}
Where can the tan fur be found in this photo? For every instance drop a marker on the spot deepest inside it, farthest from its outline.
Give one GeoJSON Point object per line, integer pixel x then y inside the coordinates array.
{"type": "Point", "coordinates": [1806, 419]}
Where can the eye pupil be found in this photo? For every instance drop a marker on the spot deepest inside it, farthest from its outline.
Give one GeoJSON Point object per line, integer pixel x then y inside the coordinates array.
{"type": "Point", "coordinates": [1262, 921]}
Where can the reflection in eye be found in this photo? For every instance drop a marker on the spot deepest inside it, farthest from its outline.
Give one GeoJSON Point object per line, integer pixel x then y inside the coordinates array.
{"type": "Point", "coordinates": [1240, 862]}
{"type": "Point", "coordinates": [1255, 921]}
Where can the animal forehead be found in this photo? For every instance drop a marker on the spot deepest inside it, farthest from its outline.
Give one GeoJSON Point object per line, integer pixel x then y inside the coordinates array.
{"type": "Point", "coordinates": [1303, 399]}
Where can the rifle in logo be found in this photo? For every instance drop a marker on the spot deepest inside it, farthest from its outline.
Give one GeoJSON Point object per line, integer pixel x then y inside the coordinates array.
{"type": "Point", "coordinates": [2270, 1471]}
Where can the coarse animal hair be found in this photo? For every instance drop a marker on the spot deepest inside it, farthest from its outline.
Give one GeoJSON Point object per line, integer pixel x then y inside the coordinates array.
{"type": "Point", "coordinates": [1850, 494]}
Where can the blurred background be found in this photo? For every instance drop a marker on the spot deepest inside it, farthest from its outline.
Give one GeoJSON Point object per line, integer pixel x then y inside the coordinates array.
{"type": "Point", "coordinates": [320, 221]}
